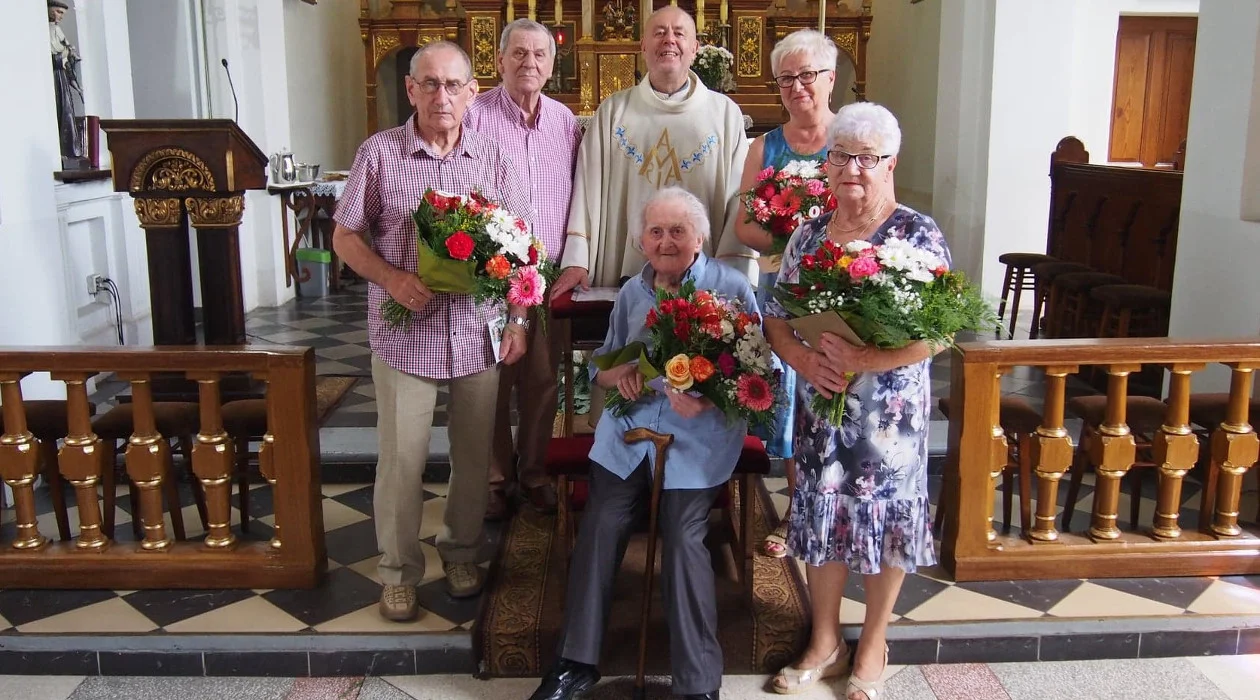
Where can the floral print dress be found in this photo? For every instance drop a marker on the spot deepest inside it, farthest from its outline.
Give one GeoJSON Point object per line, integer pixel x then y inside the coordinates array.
{"type": "Point", "coordinates": [861, 487]}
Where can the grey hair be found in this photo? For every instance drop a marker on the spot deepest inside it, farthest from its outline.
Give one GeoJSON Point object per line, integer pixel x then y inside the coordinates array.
{"type": "Point", "coordinates": [440, 46]}
{"type": "Point", "coordinates": [869, 123]}
{"type": "Point", "coordinates": [697, 213]}
{"type": "Point", "coordinates": [524, 24]}
{"type": "Point", "coordinates": [815, 44]}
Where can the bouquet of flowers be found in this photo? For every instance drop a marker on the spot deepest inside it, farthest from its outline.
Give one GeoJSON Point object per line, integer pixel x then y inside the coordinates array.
{"type": "Point", "coordinates": [781, 200]}
{"type": "Point", "coordinates": [713, 65]}
{"type": "Point", "coordinates": [708, 346]}
{"type": "Point", "coordinates": [887, 295]}
{"type": "Point", "coordinates": [471, 245]}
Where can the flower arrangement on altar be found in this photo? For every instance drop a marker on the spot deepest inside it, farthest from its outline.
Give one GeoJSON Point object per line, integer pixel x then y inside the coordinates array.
{"type": "Point", "coordinates": [714, 64]}
{"type": "Point", "coordinates": [471, 245]}
{"type": "Point", "coordinates": [708, 346]}
{"type": "Point", "coordinates": [782, 199]}
{"type": "Point", "coordinates": [888, 295]}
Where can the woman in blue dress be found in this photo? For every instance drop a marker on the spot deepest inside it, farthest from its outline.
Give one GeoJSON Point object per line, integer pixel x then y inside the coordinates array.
{"type": "Point", "coordinates": [861, 499]}
{"type": "Point", "coordinates": [803, 64]}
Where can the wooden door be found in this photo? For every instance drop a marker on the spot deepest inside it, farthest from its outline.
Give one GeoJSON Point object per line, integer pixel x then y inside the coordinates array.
{"type": "Point", "coordinates": [1151, 96]}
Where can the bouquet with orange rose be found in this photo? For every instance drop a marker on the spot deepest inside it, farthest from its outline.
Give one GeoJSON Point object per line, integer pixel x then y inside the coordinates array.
{"type": "Point", "coordinates": [707, 346]}
{"type": "Point", "coordinates": [471, 245]}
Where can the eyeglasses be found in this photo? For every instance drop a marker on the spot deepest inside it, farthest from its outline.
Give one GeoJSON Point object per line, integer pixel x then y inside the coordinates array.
{"type": "Point", "coordinates": [865, 161]}
{"type": "Point", "coordinates": [431, 86]}
{"type": "Point", "coordinates": [806, 77]}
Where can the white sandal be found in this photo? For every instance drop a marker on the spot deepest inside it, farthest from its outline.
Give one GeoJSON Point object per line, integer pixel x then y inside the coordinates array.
{"type": "Point", "coordinates": [874, 690]}
{"type": "Point", "coordinates": [799, 680]}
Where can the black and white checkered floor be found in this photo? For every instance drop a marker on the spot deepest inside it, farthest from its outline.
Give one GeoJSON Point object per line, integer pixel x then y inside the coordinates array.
{"type": "Point", "coordinates": [1187, 615]}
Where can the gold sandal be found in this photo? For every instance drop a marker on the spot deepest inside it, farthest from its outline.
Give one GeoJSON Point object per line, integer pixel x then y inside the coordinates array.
{"type": "Point", "coordinates": [775, 544]}
{"type": "Point", "coordinates": [874, 690]}
{"type": "Point", "coordinates": [799, 680]}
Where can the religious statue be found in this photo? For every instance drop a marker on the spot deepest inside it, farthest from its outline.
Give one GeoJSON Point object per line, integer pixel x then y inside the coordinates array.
{"type": "Point", "coordinates": [65, 60]}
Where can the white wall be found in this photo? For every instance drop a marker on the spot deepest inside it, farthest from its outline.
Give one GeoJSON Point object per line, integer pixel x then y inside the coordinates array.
{"type": "Point", "coordinates": [1217, 250]}
{"type": "Point", "coordinates": [327, 93]}
{"type": "Point", "coordinates": [35, 309]}
{"type": "Point", "coordinates": [164, 58]}
{"type": "Point", "coordinates": [902, 73]}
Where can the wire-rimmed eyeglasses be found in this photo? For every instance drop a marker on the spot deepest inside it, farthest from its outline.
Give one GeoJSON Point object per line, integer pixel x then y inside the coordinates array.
{"type": "Point", "coordinates": [865, 161]}
{"type": "Point", "coordinates": [806, 77]}
{"type": "Point", "coordinates": [430, 86]}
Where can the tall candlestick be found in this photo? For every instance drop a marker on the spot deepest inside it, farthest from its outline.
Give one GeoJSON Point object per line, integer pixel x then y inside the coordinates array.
{"type": "Point", "coordinates": [588, 18]}
{"type": "Point", "coordinates": [511, 11]}
{"type": "Point", "coordinates": [559, 11]}
{"type": "Point", "coordinates": [533, 9]}
{"type": "Point", "coordinates": [822, 16]}
{"type": "Point", "coordinates": [700, 16]}
{"type": "Point", "coordinates": [722, 13]}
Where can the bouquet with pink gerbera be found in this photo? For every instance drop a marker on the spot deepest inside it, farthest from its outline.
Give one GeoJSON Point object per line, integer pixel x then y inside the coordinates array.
{"type": "Point", "coordinates": [782, 199]}
{"type": "Point", "coordinates": [708, 346]}
{"type": "Point", "coordinates": [471, 245]}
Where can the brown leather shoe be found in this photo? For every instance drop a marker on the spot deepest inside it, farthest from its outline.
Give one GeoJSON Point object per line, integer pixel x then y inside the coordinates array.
{"type": "Point", "coordinates": [496, 506]}
{"type": "Point", "coordinates": [463, 580]}
{"type": "Point", "coordinates": [398, 603]}
{"type": "Point", "coordinates": [543, 498]}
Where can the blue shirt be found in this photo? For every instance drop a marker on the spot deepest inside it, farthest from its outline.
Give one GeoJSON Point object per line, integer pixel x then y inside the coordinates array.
{"type": "Point", "coordinates": [706, 447]}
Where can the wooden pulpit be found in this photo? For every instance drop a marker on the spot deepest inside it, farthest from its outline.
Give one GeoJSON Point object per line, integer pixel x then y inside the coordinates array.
{"type": "Point", "coordinates": [182, 170]}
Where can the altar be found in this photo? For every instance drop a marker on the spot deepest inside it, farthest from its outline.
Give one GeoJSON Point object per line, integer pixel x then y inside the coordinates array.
{"type": "Point", "coordinates": [597, 45]}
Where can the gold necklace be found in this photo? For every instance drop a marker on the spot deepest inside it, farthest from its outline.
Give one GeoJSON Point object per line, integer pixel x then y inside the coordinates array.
{"type": "Point", "coordinates": [879, 208]}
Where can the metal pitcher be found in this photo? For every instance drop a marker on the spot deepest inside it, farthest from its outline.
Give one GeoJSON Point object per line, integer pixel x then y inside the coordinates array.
{"type": "Point", "coordinates": [283, 168]}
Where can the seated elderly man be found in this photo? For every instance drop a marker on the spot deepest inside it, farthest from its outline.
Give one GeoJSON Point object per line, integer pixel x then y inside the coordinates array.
{"type": "Point", "coordinates": [673, 228]}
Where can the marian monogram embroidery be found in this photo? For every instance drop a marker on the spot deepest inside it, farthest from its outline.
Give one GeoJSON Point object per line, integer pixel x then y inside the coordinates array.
{"type": "Point", "coordinates": [662, 165]}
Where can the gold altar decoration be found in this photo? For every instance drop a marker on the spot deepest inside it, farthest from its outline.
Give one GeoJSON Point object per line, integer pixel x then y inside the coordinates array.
{"type": "Point", "coordinates": [602, 48]}
{"type": "Point", "coordinates": [172, 169]}
{"type": "Point", "coordinates": [215, 212]}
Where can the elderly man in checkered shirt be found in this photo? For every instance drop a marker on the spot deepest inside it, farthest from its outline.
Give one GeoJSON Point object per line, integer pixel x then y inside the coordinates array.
{"type": "Point", "coordinates": [541, 136]}
{"type": "Point", "coordinates": [448, 342]}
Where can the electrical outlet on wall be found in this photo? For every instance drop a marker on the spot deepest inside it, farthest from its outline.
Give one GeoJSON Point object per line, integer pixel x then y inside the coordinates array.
{"type": "Point", "coordinates": [95, 284]}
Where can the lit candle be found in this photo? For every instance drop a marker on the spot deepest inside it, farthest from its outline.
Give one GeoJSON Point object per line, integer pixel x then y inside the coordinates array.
{"type": "Point", "coordinates": [700, 16]}
{"type": "Point", "coordinates": [722, 13]}
{"type": "Point", "coordinates": [559, 11]}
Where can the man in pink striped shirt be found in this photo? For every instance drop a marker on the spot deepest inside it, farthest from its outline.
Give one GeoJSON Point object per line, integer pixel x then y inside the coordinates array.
{"type": "Point", "coordinates": [541, 136]}
{"type": "Point", "coordinates": [448, 341]}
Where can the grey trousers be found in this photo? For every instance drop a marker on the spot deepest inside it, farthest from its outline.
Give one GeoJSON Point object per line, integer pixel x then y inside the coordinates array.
{"type": "Point", "coordinates": [686, 581]}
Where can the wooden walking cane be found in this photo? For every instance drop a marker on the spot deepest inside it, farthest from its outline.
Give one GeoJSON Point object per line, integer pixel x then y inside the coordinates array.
{"type": "Point", "coordinates": [658, 482]}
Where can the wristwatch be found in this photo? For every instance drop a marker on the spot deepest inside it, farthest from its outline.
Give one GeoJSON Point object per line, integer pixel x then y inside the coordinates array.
{"type": "Point", "coordinates": [520, 321]}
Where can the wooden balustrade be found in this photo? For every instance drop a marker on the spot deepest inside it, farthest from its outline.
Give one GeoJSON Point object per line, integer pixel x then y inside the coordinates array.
{"type": "Point", "coordinates": [288, 460]}
{"type": "Point", "coordinates": [1220, 545]}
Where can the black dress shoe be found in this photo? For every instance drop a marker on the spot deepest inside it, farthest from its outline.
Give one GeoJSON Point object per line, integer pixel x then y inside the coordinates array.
{"type": "Point", "coordinates": [702, 696]}
{"type": "Point", "coordinates": [567, 679]}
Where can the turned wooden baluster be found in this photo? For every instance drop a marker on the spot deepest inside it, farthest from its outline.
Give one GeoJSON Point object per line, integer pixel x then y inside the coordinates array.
{"type": "Point", "coordinates": [998, 454]}
{"type": "Point", "coordinates": [148, 459]}
{"type": "Point", "coordinates": [1051, 454]}
{"type": "Point", "coordinates": [1235, 448]}
{"type": "Point", "coordinates": [1113, 452]}
{"type": "Point", "coordinates": [1176, 450]}
{"type": "Point", "coordinates": [81, 459]}
{"type": "Point", "coordinates": [267, 466]}
{"type": "Point", "coordinates": [213, 459]}
{"type": "Point", "coordinates": [19, 462]}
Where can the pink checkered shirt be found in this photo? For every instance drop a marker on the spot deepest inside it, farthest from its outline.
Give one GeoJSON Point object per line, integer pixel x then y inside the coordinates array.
{"type": "Point", "coordinates": [546, 153]}
{"type": "Point", "coordinates": [391, 171]}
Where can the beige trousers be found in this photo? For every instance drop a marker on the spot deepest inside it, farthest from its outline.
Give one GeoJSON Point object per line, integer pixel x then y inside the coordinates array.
{"type": "Point", "coordinates": [534, 378]}
{"type": "Point", "coordinates": [404, 406]}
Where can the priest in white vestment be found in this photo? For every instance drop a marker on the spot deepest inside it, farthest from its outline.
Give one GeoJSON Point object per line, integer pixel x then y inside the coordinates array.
{"type": "Point", "coordinates": [667, 130]}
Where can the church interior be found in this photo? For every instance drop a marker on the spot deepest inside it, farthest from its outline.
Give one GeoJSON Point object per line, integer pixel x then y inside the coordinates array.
{"type": "Point", "coordinates": [1094, 165]}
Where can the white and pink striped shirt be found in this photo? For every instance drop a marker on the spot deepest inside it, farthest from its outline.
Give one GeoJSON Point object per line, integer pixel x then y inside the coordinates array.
{"type": "Point", "coordinates": [391, 171]}
{"type": "Point", "coordinates": [545, 152]}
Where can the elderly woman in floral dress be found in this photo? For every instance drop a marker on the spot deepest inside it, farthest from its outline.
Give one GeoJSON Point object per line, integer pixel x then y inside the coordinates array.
{"type": "Point", "coordinates": [861, 499]}
{"type": "Point", "coordinates": [803, 64]}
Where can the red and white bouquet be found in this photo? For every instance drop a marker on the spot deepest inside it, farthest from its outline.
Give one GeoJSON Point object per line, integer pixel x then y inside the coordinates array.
{"type": "Point", "coordinates": [471, 245]}
{"type": "Point", "coordinates": [781, 200]}
{"type": "Point", "coordinates": [708, 346]}
{"type": "Point", "coordinates": [888, 295]}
